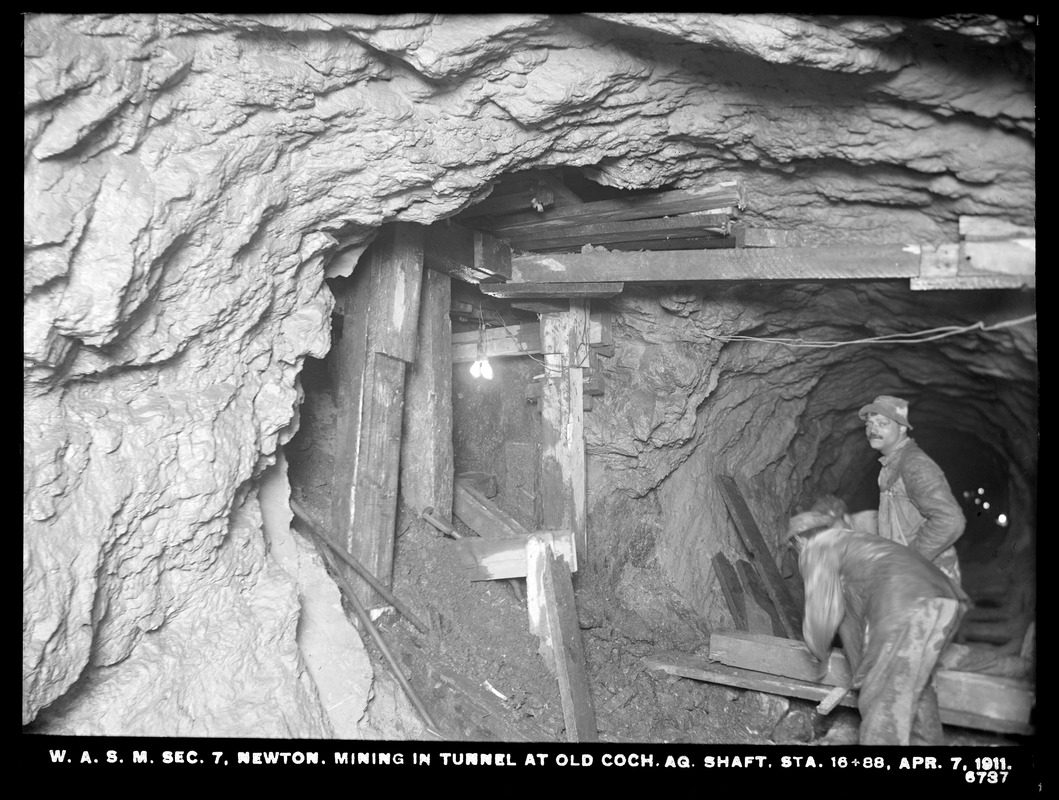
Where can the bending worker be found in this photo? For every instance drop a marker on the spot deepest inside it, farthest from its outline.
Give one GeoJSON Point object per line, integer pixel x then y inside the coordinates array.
{"type": "Point", "coordinates": [894, 611]}
{"type": "Point", "coordinates": [916, 505]}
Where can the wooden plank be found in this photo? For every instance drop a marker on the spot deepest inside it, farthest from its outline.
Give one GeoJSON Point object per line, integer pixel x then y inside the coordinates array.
{"type": "Point", "coordinates": [427, 459]}
{"type": "Point", "coordinates": [732, 590]}
{"type": "Point", "coordinates": [834, 262]}
{"type": "Point", "coordinates": [482, 516]}
{"type": "Point", "coordinates": [967, 282]}
{"type": "Point", "coordinates": [714, 242]}
{"type": "Point", "coordinates": [498, 559]}
{"type": "Point", "coordinates": [974, 228]}
{"type": "Point", "coordinates": [759, 596]}
{"type": "Point", "coordinates": [698, 668]}
{"type": "Point", "coordinates": [1013, 257]}
{"type": "Point", "coordinates": [511, 340]}
{"type": "Point", "coordinates": [379, 336]}
{"type": "Point", "coordinates": [553, 617]}
{"type": "Point", "coordinates": [761, 556]}
{"type": "Point", "coordinates": [374, 506]}
{"type": "Point", "coordinates": [604, 233]}
{"type": "Point", "coordinates": [562, 495]}
{"type": "Point", "coordinates": [396, 277]}
{"type": "Point", "coordinates": [701, 669]}
{"type": "Point", "coordinates": [546, 290]}
{"type": "Point", "coordinates": [975, 698]}
{"type": "Point", "coordinates": [660, 204]}
{"type": "Point", "coordinates": [471, 256]}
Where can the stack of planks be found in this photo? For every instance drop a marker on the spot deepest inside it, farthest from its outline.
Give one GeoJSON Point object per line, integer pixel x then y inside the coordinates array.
{"type": "Point", "coordinates": [537, 213]}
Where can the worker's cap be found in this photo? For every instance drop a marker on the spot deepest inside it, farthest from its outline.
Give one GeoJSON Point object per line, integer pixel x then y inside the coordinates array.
{"type": "Point", "coordinates": [890, 407]}
{"type": "Point", "coordinates": [810, 522]}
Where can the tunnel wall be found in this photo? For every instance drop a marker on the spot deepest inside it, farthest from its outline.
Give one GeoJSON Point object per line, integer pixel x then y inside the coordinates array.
{"type": "Point", "coordinates": [683, 406]}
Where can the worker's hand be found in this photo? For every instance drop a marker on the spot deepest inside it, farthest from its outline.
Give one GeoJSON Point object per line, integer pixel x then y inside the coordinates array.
{"type": "Point", "coordinates": [821, 670]}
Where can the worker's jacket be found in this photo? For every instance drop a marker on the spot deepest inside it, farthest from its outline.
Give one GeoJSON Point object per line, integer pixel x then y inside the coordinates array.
{"type": "Point", "coordinates": [866, 588]}
{"type": "Point", "coordinates": [917, 508]}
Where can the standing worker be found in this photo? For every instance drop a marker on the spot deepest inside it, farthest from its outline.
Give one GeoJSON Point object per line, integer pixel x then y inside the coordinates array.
{"type": "Point", "coordinates": [894, 611]}
{"type": "Point", "coordinates": [916, 505]}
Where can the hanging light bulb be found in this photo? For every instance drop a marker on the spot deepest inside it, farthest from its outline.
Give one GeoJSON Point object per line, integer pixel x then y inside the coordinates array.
{"type": "Point", "coordinates": [480, 368]}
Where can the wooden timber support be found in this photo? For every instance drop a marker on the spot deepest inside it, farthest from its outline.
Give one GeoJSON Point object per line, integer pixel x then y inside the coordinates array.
{"type": "Point", "coordinates": [564, 343]}
{"type": "Point", "coordinates": [380, 308]}
{"type": "Point", "coordinates": [485, 519]}
{"type": "Point", "coordinates": [969, 264]}
{"type": "Point", "coordinates": [427, 459]}
{"type": "Point", "coordinates": [471, 256]}
{"type": "Point", "coordinates": [761, 556]}
{"type": "Point", "coordinates": [553, 617]}
{"type": "Point", "coordinates": [517, 340]}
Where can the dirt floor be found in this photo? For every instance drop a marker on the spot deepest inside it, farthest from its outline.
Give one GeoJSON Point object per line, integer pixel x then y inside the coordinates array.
{"type": "Point", "coordinates": [478, 670]}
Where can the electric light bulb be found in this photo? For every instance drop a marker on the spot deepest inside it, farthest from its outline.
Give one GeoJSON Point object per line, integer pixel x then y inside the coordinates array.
{"type": "Point", "coordinates": [487, 371]}
{"type": "Point", "coordinates": [476, 369]}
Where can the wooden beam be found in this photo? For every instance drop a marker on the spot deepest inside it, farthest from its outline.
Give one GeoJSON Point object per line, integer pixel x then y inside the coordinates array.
{"type": "Point", "coordinates": [761, 556]}
{"type": "Point", "coordinates": [604, 233]}
{"type": "Point", "coordinates": [395, 275]}
{"type": "Point", "coordinates": [965, 698]}
{"type": "Point", "coordinates": [512, 340]}
{"type": "Point", "coordinates": [732, 589]}
{"type": "Point", "coordinates": [552, 290]}
{"type": "Point", "coordinates": [716, 242]}
{"type": "Point", "coordinates": [482, 516]}
{"type": "Point", "coordinates": [660, 204]}
{"type": "Point", "coordinates": [553, 617]}
{"type": "Point", "coordinates": [701, 669]}
{"type": "Point", "coordinates": [562, 495]}
{"type": "Point", "coordinates": [982, 229]}
{"type": "Point", "coordinates": [498, 559]}
{"type": "Point", "coordinates": [739, 264]}
{"type": "Point", "coordinates": [380, 308]}
{"type": "Point", "coordinates": [471, 256]}
{"type": "Point", "coordinates": [427, 459]}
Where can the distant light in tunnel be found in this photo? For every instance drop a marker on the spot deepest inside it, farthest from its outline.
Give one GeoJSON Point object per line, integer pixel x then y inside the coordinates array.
{"type": "Point", "coordinates": [978, 501]}
{"type": "Point", "coordinates": [985, 504]}
{"type": "Point", "coordinates": [981, 490]}
{"type": "Point", "coordinates": [1002, 520]}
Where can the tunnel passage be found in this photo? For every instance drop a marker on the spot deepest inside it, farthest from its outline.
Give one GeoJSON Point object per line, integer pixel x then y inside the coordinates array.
{"type": "Point", "coordinates": [687, 401]}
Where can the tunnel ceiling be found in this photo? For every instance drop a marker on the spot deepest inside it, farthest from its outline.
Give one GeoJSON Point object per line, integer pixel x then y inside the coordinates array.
{"type": "Point", "coordinates": [189, 178]}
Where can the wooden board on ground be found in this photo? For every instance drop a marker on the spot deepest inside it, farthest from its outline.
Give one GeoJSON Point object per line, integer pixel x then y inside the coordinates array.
{"type": "Point", "coordinates": [761, 556]}
{"type": "Point", "coordinates": [482, 516]}
{"type": "Point", "coordinates": [969, 699]}
{"type": "Point", "coordinates": [702, 669]}
{"type": "Point", "coordinates": [553, 617]}
{"type": "Point", "coordinates": [495, 559]}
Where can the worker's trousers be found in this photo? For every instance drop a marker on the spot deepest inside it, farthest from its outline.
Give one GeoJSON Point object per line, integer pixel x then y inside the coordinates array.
{"type": "Point", "coordinates": [897, 701]}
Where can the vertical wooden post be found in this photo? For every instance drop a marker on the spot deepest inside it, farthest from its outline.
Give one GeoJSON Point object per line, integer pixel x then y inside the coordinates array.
{"type": "Point", "coordinates": [564, 344]}
{"type": "Point", "coordinates": [553, 617]}
{"type": "Point", "coordinates": [380, 306]}
{"type": "Point", "coordinates": [426, 453]}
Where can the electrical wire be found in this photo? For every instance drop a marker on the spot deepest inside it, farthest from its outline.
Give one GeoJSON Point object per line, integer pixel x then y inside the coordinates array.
{"type": "Point", "coordinates": [930, 335]}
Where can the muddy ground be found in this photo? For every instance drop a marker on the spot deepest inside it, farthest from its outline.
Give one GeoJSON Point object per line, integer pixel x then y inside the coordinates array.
{"type": "Point", "coordinates": [478, 670]}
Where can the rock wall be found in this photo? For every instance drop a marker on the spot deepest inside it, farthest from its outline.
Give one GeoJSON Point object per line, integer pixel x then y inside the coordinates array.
{"type": "Point", "coordinates": [189, 177]}
{"type": "Point", "coordinates": [687, 400]}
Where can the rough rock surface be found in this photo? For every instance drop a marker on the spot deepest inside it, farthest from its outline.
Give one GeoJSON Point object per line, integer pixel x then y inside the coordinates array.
{"type": "Point", "coordinates": [188, 177]}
